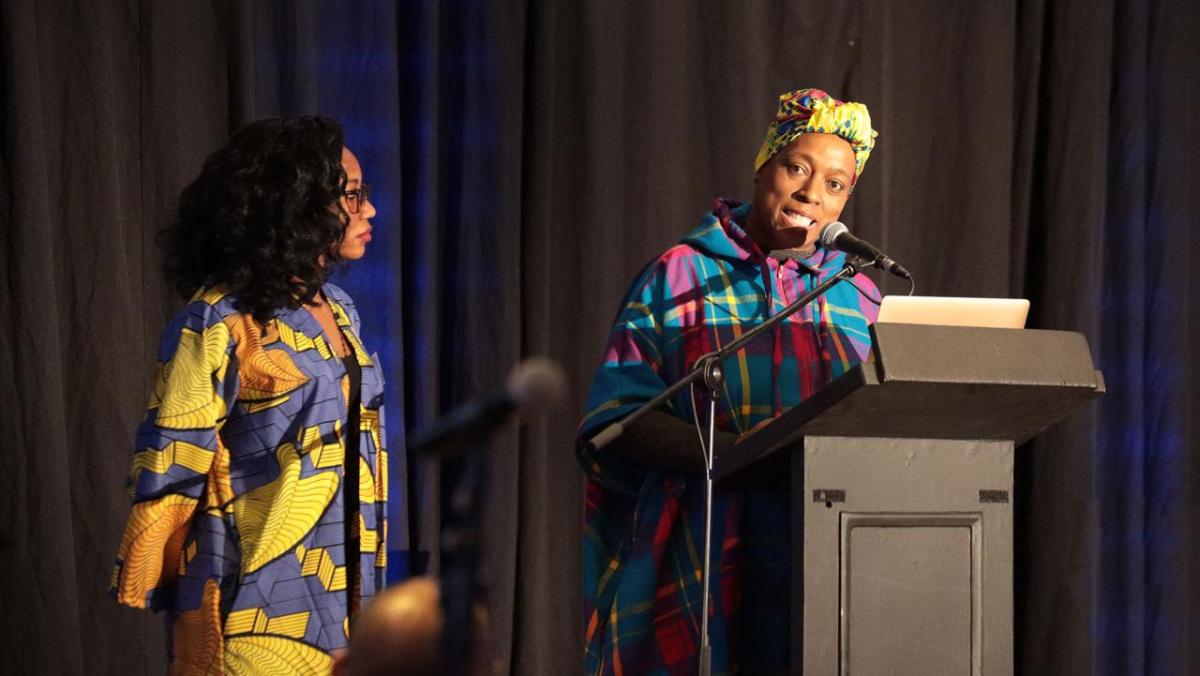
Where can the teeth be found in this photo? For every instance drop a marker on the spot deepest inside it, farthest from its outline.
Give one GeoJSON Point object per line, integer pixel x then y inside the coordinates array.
{"type": "Point", "coordinates": [797, 219]}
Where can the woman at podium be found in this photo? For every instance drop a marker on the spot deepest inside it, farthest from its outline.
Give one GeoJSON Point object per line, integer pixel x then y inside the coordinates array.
{"type": "Point", "coordinates": [644, 520]}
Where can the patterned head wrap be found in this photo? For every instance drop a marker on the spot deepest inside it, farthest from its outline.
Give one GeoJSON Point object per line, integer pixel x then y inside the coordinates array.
{"type": "Point", "coordinates": [812, 110]}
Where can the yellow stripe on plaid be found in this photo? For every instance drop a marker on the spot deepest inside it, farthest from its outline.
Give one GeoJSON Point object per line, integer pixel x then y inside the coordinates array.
{"type": "Point", "coordinates": [743, 411]}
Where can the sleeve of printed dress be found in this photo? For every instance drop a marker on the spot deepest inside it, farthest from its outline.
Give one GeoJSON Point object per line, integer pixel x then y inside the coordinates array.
{"type": "Point", "coordinates": [629, 376]}
{"type": "Point", "coordinates": [177, 452]}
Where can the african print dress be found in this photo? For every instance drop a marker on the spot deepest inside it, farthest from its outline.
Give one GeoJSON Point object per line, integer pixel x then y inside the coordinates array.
{"type": "Point", "coordinates": [237, 527]}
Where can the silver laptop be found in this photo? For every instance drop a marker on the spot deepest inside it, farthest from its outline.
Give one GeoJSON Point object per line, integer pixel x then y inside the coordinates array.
{"type": "Point", "coordinates": [1003, 313]}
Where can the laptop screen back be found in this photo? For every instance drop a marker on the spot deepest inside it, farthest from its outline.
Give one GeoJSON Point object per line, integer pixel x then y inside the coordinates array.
{"type": "Point", "coordinates": [1004, 313]}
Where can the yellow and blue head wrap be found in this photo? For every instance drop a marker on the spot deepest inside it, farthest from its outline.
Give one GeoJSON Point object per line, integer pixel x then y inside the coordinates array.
{"type": "Point", "coordinates": [812, 110]}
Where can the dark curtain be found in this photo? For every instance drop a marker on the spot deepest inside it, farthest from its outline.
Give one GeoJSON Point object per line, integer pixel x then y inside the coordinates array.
{"type": "Point", "coordinates": [109, 110]}
{"type": "Point", "coordinates": [529, 158]}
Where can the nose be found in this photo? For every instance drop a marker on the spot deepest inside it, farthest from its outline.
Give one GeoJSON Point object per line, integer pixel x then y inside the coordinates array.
{"type": "Point", "coordinates": [807, 191]}
{"type": "Point", "coordinates": [368, 210]}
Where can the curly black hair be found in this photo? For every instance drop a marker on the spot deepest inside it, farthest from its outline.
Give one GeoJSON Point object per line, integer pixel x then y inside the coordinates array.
{"type": "Point", "coordinates": [263, 219]}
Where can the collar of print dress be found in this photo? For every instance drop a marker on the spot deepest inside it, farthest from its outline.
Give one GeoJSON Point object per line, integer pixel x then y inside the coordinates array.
{"type": "Point", "coordinates": [301, 319]}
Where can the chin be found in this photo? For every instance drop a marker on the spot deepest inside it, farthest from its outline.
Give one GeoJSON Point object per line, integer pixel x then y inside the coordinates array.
{"type": "Point", "coordinates": [793, 238]}
{"type": "Point", "coordinates": [353, 254]}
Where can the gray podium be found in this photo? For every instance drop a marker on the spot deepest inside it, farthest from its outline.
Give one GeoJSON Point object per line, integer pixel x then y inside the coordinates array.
{"type": "Point", "coordinates": [901, 493]}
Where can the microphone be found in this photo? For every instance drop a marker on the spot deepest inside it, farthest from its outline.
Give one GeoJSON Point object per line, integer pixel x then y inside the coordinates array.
{"type": "Point", "coordinates": [837, 236]}
{"type": "Point", "coordinates": [535, 384]}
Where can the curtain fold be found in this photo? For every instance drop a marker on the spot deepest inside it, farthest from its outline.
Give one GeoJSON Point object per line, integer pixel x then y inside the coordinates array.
{"type": "Point", "coordinates": [73, 316]}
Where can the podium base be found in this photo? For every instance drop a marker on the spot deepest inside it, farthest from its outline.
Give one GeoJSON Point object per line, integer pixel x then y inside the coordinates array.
{"type": "Point", "coordinates": [906, 547]}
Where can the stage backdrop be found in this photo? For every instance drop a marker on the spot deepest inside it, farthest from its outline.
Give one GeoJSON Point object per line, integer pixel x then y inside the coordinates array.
{"type": "Point", "coordinates": [529, 158]}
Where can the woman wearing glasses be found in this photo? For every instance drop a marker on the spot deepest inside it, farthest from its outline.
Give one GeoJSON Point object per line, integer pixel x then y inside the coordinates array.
{"type": "Point", "coordinates": [259, 481]}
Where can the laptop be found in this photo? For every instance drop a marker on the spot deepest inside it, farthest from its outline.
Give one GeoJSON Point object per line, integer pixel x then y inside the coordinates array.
{"type": "Point", "coordinates": [1001, 313]}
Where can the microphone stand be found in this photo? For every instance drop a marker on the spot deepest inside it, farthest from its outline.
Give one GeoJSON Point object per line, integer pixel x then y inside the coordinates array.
{"type": "Point", "coordinates": [711, 375]}
{"type": "Point", "coordinates": [459, 587]}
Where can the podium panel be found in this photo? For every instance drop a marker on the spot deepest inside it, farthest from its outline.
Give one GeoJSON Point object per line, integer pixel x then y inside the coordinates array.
{"type": "Point", "coordinates": [906, 547]}
{"type": "Point", "coordinates": [908, 601]}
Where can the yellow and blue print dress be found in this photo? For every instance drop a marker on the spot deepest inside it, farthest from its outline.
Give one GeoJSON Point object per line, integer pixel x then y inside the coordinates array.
{"type": "Point", "coordinates": [237, 527]}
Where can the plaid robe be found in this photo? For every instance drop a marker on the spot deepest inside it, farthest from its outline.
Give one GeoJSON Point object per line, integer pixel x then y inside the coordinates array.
{"type": "Point", "coordinates": [643, 531]}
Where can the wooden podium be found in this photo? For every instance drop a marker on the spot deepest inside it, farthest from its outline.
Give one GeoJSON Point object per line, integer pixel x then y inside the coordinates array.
{"type": "Point", "coordinates": [901, 494]}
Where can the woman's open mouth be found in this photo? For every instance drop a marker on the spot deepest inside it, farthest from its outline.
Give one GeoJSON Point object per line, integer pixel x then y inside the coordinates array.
{"type": "Point", "coordinates": [796, 219]}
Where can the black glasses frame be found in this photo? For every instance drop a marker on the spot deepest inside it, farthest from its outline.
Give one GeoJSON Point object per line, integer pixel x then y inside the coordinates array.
{"type": "Point", "coordinates": [355, 199]}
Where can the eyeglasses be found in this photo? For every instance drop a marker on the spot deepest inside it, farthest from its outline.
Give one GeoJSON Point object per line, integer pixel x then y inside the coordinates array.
{"type": "Point", "coordinates": [355, 199]}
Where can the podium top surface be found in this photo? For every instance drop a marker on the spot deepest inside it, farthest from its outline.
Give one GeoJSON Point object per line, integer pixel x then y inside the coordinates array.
{"type": "Point", "coordinates": [940, 382]}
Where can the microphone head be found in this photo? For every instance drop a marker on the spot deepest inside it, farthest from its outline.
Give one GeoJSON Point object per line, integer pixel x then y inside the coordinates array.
{"type": "Point", "coordinates": [536, 383]}
{"type": "Point", "coordinates": [831, 232]}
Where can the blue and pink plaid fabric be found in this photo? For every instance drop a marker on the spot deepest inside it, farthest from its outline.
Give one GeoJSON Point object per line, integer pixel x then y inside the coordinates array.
{"type": "Point", "coordinates": [643, 530]}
